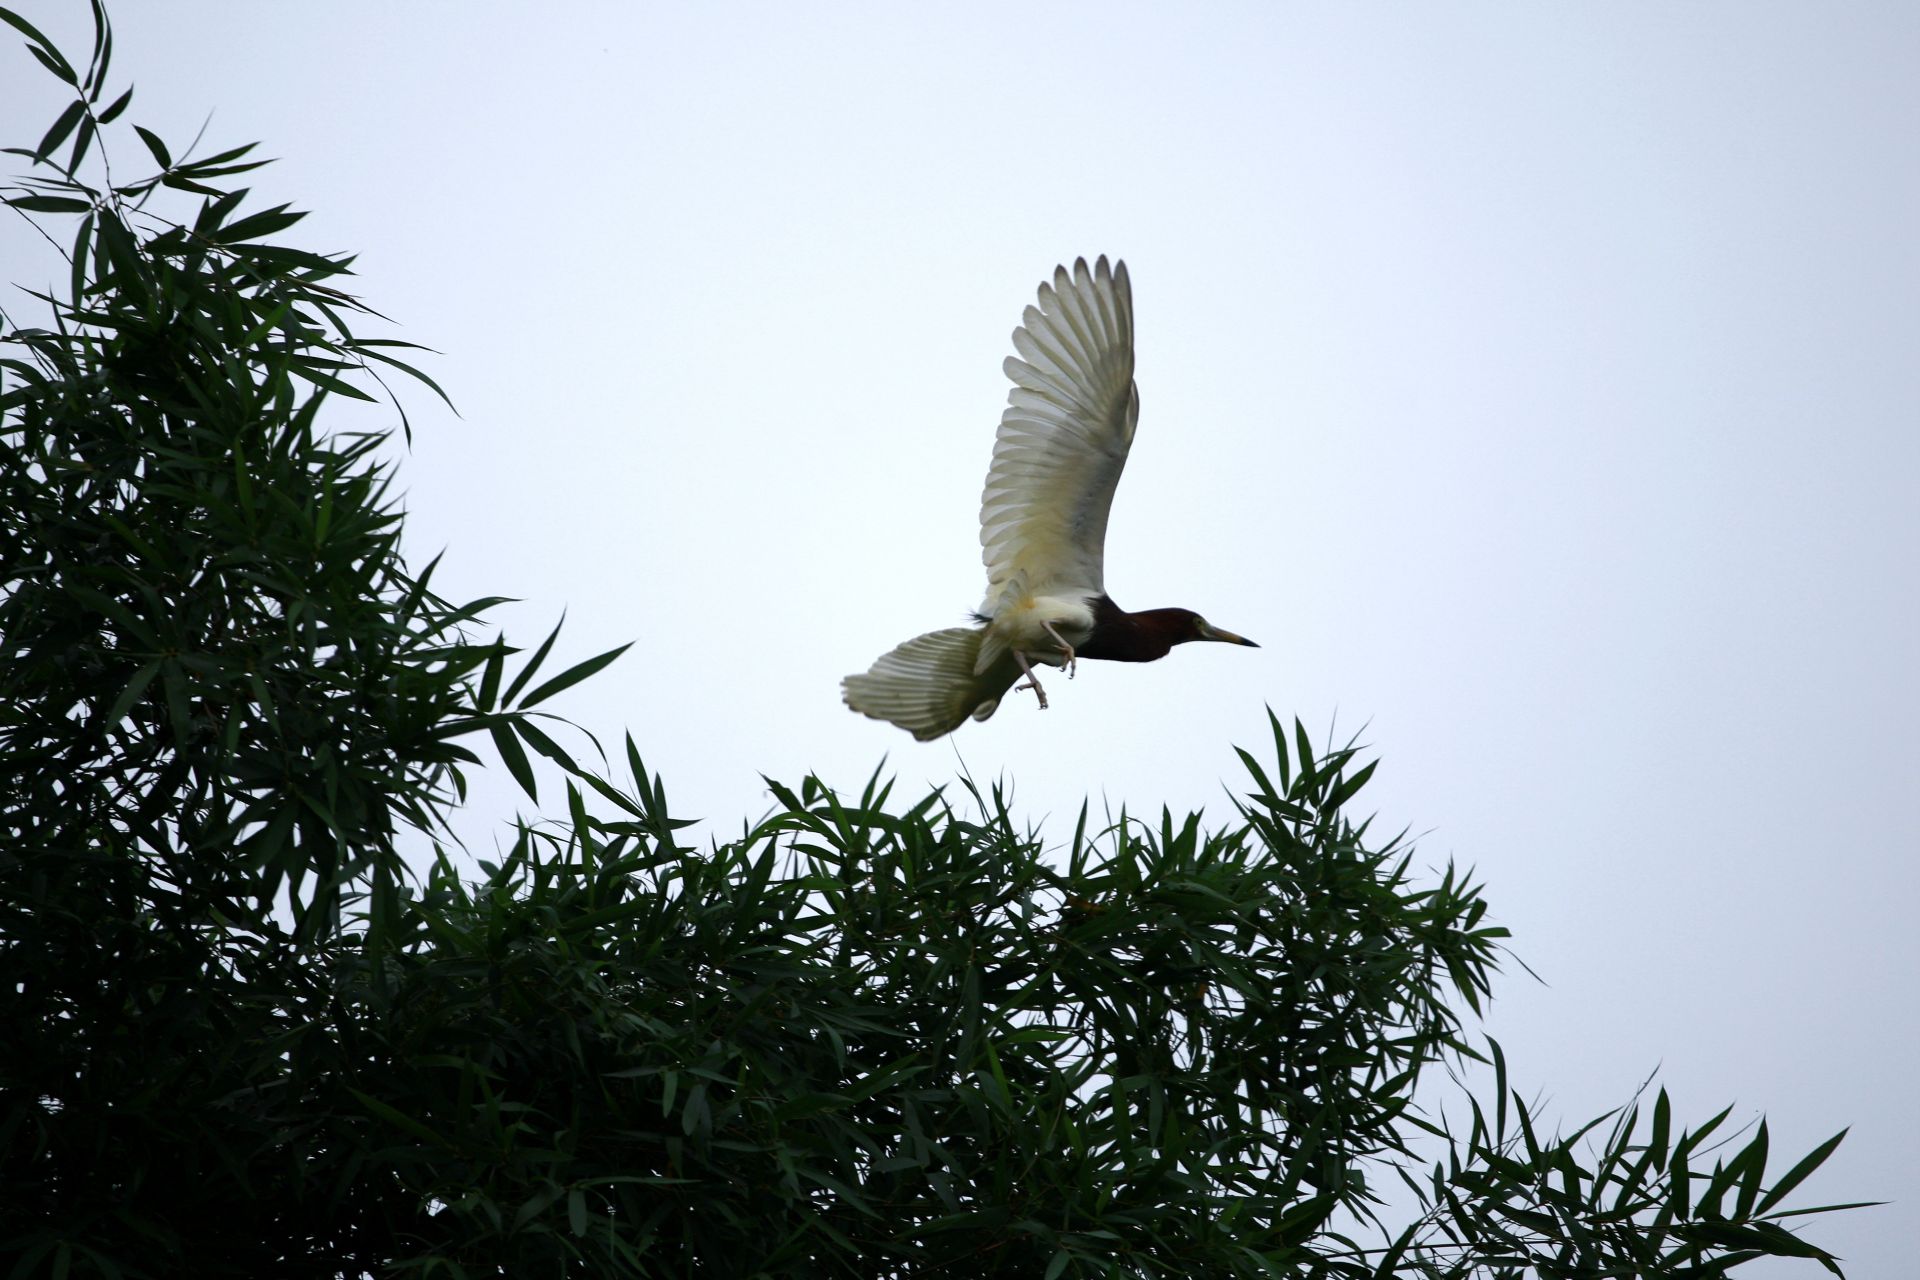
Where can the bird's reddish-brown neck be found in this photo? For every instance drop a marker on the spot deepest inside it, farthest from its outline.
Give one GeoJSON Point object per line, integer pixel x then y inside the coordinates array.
{"type": "Point", "coordinates": [1119, 636]}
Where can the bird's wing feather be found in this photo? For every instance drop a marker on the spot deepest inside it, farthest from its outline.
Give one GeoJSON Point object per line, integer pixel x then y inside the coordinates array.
{"type": "Point", "coordinates": [929, 685]}
{"type": "Point", "coordinates": [1063, 439]}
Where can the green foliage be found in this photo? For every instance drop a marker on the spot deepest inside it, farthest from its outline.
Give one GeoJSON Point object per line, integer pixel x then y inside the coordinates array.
{"type": "Point", "coordinates": [862, 1039]}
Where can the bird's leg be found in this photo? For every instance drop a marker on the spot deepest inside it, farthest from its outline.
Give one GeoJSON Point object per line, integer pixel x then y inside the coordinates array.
{"type": "Point", "coordinates": [1064, 647]}
{"type": "Point", "coordinates": [1032, 683]}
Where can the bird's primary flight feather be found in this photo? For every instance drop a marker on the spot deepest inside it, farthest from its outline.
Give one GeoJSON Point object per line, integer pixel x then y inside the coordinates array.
{"type": "Point", "coordinates": [1062, 441]}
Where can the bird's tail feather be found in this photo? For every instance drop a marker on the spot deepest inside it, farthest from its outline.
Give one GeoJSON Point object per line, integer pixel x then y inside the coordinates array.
{"type": "Point", "coordinates": [928, 686]}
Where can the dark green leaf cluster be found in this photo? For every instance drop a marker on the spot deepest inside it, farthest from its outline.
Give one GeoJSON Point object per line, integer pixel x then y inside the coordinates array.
{"type": "Point", "coordinates": [218, 677]}
{"type": "Point", "coordinates": [223, 697]}
{"type": "Point", "coordinates": [1610, 1199]}
{"type": "Point", "coordinates": [862, 1039]}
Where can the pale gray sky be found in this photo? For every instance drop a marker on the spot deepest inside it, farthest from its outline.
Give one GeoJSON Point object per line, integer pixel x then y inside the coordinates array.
{"type": "Point", "coordinates": [1537, 383]}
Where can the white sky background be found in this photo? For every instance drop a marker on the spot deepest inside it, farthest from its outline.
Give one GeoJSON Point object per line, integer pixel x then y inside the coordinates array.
{"type": "Point", "coordinates": [1537, 384]}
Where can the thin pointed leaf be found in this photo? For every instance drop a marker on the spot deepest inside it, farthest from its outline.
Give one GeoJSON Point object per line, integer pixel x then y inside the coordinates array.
{"type": "Point", "coordinates": [546, 746]}
{"type": "Point", "coordinates": [515, 756]}
{"type": "Point", "coordinates": [114, 108]}
{"type": "Point", "coordinates": [533, 664]}
{"type": "Point", "coordinates": [49, 204]}
{"type": "Point", "coordinates": [30, 31]}
{"type": "Point", "coordinates": [1800, 1172]}
{"type": "Point", "coordinates": [572, 676]}
{"type": "Point", "coordinates": [157, 148]}
{"type": "Point", "coordinates": [62, 126]}
{"type": "Point", "coordinates": [56, 64]}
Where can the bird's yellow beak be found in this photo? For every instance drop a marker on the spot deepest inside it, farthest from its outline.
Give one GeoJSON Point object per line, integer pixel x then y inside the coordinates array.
{"type": "Point", "coordinates": [1210, 632]}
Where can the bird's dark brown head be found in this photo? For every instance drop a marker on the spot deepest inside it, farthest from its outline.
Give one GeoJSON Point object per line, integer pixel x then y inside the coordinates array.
{"type": "Point", "coordinates": [1119, 636]}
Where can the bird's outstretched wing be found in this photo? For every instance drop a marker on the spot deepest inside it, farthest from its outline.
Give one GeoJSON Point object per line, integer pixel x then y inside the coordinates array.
{"type": "Point", "coordinates": [1063, 439]}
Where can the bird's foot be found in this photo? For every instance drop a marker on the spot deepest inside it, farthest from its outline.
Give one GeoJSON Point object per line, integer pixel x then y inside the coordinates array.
{"type": "Point", "coordinates": [1033, 682]}
{"type": "Point", "coordinates": [1065, 648]}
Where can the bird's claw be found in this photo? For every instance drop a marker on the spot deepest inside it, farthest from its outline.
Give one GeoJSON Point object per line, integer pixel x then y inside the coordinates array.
{"type": "Point", "coordinates": [1033, 681]}
{"type": "Point", "coordinates": [1071, 662]}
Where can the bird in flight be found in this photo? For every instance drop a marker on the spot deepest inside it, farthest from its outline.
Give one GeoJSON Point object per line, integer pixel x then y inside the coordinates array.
{"type": "Point", "coordinates": [1062, 443]}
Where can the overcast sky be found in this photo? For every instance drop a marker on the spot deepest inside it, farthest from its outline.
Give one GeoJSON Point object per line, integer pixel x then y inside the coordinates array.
{"type": "Point", "coordinates": [1537, 383]}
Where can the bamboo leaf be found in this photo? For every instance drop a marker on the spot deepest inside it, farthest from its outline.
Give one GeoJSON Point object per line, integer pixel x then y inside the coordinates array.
{"type": "Point", "coordinates": [532, 664]}
{"type": "Point", "coordinates": [1800, 1172]}
{"type": "Point", "coordinates": [48, 204]}
{"type": "Point", "coordinates": [515, 757]}
{"type": "Point", "coordinates": [573, 675]}
{"type": "Point", "coordinates": [63, 126]}
{"type": "Point", "coordinates": [117, 106]}
{"type": "Point", "coordinates": [155, 147]}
